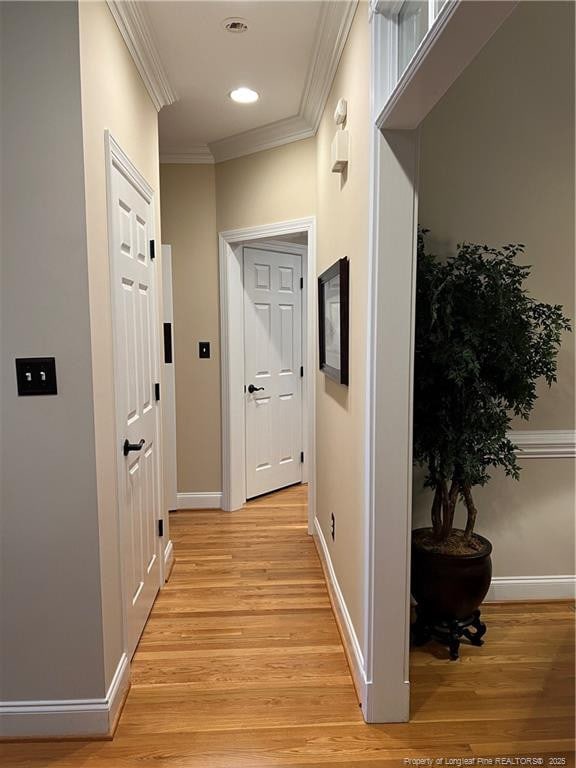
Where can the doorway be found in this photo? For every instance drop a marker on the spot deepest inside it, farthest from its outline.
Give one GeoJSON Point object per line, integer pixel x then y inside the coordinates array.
{"type": "Point", "coordinates": [268, 333]}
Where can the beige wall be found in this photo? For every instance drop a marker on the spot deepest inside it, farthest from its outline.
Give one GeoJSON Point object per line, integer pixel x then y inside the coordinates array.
{"type": "Point", "coordinates": [50, 627]}
{"type": "Point", "coordinates": [189, 226]}
{"type": "Point", "coordinates": [497, 166]}
{"type": "Point", "coordinates": [62, 630]}
{"type": "Point", "coordinates": [198, 201]}
{"type": "Point", "coordinates": [113, 98]}
{"type": "Point", "coordinates": [343, 216]}
{"type": "Point", "coordinates": [274, 185]}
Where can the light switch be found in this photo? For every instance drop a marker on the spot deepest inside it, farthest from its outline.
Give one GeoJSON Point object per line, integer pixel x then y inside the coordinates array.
{"type": "Point", "coordinates": [36, 376]}
{"type": "Point", "coordinates": [204, 349]}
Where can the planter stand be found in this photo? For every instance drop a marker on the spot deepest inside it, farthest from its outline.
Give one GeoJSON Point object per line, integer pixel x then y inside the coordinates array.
{"type": "Point", "coordinates": [448, 632]}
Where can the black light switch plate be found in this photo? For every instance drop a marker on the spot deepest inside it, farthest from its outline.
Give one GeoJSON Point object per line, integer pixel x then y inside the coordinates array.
{"type": "Point", "coordinates": [36, 376]}
{"type": "Point", "coordinates": [204, 349]}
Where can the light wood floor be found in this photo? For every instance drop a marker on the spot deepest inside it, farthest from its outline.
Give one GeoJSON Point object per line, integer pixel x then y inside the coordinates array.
{"type": "Point", "coordinates": [241, 666]}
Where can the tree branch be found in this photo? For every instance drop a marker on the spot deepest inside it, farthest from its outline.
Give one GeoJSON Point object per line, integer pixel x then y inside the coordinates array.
{"type": "Point", "coordinates": [436, 507]}
{"type": "Point", "coordinates": [444, 508]}
{"type": "Point", "coordinates": [451, 501]}
{"type": "Point", "coordinates": [471, 512]}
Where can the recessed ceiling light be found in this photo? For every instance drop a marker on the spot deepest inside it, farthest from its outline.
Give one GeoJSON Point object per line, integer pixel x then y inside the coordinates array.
{"type": "Point", "coordinates": [235, 24]}
{"type": "Point", "coordinates": [244, 95]}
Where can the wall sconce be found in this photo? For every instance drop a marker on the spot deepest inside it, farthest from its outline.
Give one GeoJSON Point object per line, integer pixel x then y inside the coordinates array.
{"type": "Point", "coordinates": [340, 141]}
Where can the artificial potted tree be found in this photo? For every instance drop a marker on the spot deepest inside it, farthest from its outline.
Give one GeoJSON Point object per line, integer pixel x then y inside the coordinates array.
{"type": "Point", "coordinates": [482, 343]}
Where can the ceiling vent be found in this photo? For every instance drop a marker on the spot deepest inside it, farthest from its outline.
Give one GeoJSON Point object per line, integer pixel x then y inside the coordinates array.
{"type": "Point", "coordinates": [235, 25]}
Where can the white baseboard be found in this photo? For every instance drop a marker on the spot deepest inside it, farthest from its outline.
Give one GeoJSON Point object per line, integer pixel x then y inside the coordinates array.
{"type": "Point", "coordinates": [510, 588]}
{"type": "Point", "coordinates": [66, 717]}
{"type": "Point", "coordinates": [117, 691]}
{"type": "Point", "coordinates": [350, 639]}
{"type": "Point", "coordinates": [206, 500]}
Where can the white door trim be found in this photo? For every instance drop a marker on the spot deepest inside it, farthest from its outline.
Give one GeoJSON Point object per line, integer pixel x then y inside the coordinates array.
{"type": "Point", "coordinates": [232, 356]}
{"type": "Point", "coordinates": [168, 412]}
{"type": "Point", "coordinates": [117, 158]}
{"type": "Point", "coordinates": [456, 36]}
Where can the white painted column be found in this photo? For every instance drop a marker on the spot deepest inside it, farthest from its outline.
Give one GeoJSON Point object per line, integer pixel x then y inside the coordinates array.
{"type": "Point", "coordinates": [389, 450]}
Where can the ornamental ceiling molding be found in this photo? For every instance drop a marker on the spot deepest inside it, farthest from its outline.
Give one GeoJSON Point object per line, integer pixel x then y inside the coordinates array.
{"type": "Point", "coordinates": [134, 26]}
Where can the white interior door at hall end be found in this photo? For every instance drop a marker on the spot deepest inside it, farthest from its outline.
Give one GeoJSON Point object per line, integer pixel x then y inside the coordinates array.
{"type": "Point", "coordinates": [273, 356]}
{"type": "Point", "coordinates": [136, 365]}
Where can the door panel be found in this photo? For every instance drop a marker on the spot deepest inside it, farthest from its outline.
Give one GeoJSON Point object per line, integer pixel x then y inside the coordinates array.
{"type": "Point", "coordinates": [136, 366]}
{"type": "Point", "coordinates": [262, 340]}
{"type": "Point", "coordinates": [273, 356]}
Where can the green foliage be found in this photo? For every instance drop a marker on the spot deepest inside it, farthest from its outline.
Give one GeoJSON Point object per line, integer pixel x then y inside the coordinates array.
{"type": "Point", "coordinates": [482, 344]}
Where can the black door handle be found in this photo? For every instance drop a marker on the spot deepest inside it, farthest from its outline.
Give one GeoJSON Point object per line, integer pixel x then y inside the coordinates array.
{"type": "Point", "coordinates": [127, 447]}
{"type": "Point", "coordinates": [252, 388]}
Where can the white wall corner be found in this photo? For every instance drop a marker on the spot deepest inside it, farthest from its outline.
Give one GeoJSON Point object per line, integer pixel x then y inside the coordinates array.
{"type": "Point", "coordinates": [544, 444]}
{"type": "Point", "coordinates": [200, 500]}
{"type": "Point", "coordinates": [198, 154]}
{"type": "Point", "coordinates": [350, 639]}
{"type": "Point", "coordinates": [132, 21]}
{"type": "Point", "coordinates": [66, 718]}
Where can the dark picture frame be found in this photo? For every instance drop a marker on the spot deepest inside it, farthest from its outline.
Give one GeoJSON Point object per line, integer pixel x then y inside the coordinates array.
{"type": "Point", "coordinates": [333, 320]}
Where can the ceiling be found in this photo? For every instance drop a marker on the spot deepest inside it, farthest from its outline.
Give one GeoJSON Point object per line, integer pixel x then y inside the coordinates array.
{"type": "Point", "coordinates": [190, 63]}
{"type": "Point", "coordinates": [204, 62]}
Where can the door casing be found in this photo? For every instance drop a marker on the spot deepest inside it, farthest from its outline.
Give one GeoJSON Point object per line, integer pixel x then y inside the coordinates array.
{"type": "Point", "coordinates": [168, 402]}
{"type": "Point", "coordinates": [232, 353]}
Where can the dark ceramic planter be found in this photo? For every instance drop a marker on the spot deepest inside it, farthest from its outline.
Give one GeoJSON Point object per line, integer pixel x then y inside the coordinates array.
{"type": "Point", "coordinates": [448, 590]}
{"type": "Point", "coordinates": [450, 586]}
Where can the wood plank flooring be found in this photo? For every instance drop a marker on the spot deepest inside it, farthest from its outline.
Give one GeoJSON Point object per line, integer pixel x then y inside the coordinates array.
{"type": "Point", "coordinates": [241, 666]}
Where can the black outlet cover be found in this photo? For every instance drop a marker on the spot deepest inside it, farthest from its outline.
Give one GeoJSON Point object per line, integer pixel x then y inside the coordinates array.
{"type": "Point", "coordinates": [36, 376]}
{"type": "Point", "coordinates": [204, 349]}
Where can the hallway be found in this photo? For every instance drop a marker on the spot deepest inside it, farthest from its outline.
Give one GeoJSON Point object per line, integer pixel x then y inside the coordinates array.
{"type": "Point", "coordinates": [241, 666]}
{"type": "Point", "coordinates": [243, 637]}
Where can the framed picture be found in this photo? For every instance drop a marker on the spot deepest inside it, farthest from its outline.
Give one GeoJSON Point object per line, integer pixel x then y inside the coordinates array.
{"type": "Point", "coordinates": [333, 306]}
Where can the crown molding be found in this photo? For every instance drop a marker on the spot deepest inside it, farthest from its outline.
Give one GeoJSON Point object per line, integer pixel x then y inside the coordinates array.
{"type": "Point", "coordinates": [258, 139]}
{"type": "Point", "coordinates": [134, 27]}
{"type": "Point", "coordinates": [333, 29]}
{"type": "Point", "coordinates": [198, 154]}
{"type": "Point", "coordinates": [331, 35]}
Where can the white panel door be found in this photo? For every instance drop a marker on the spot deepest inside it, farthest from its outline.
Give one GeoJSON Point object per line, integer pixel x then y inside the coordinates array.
{"type": "Point", "coordinates": [273, 357]}
{"type": "Point", "coordinates": [136, 367]}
